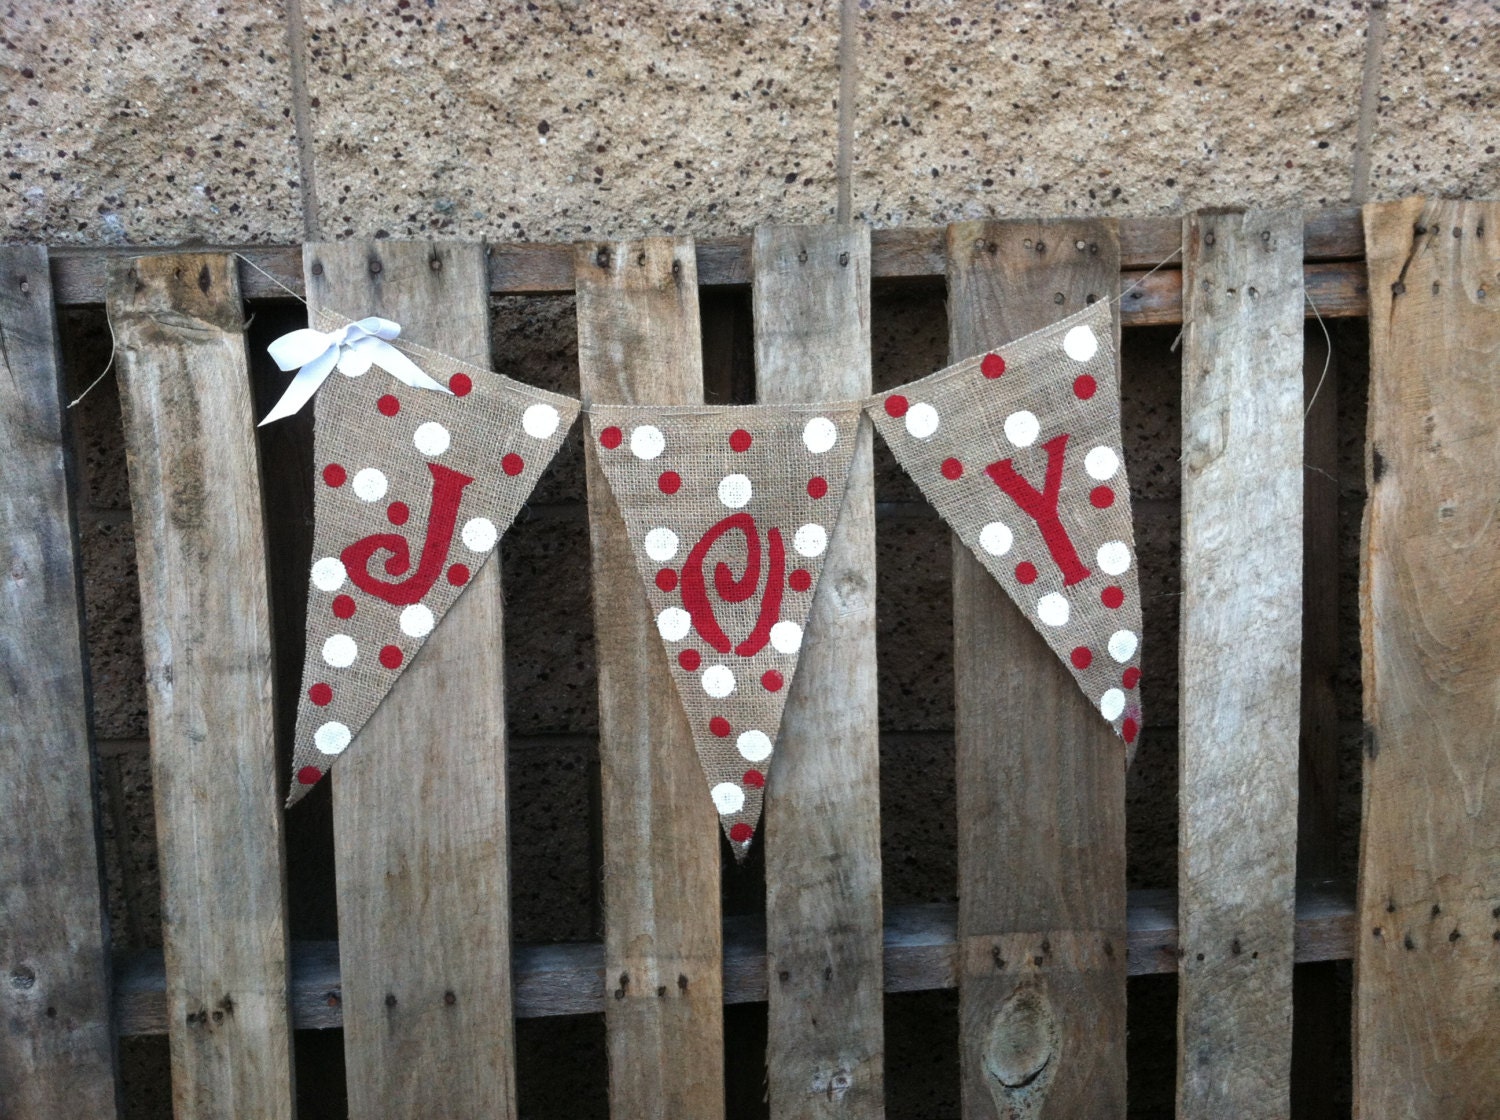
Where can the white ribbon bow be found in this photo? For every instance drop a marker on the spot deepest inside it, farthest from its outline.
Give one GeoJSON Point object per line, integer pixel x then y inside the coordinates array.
{"type": "Point", "coordinates": [353, 349]}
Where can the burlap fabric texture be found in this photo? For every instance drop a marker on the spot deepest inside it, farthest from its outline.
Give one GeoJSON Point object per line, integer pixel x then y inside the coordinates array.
{"type": "Point", "coordinates": [1019, 450]}
{"type": "Point", "coordinates": [729, 513]}
{"type": "Point", "coordinates": [413, 489]}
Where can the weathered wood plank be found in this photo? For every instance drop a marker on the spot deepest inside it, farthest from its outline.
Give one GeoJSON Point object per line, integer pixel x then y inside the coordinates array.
{"type": "Point", "coordinates": [419, 806]}
{"type": "Point", "coordinates": [1041, 778]}
{"type": "Point", "coordinates": [826, 1050]}
{"type": "Point", "coordinates": [1242, 397]}
{"type": "Point", "coordinates": [1427, 964]}
{"type": "Point", "coordinates": [205, 616]}
{"type": "Point", "coordinates": [638, 340]}
{"type": "Point", "coordinates": [57, 1047]}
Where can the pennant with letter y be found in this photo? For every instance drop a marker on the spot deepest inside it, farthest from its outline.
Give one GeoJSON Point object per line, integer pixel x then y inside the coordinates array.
{"type": "Point", "coordinates": [729, 513]}
{"type": "Point", "coordinates": [1019, 449]}
{"type": "Point", "coordinates": [413, 490]}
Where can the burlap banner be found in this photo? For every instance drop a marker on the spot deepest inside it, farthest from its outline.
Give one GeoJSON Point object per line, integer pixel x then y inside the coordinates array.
{"type": "Point", "coordinates": [729, 512]}
{"type": "Point", "coordinates": [1019, 450]}
{"type": "Point", "coordinates": [413, 490]}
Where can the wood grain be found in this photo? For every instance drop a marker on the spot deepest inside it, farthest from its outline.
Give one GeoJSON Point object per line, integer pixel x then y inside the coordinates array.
{"type": "Point", "coordinates": [1041, 778]}
{"type": "Point", "coordinates": [1241, 637]}
{"type": "Point", "coordinates": [57, 1048]}
{"type": "Point", "coordinates": [638, 340]}
{"type": "Point", "coordinates": [826, 1050]}
{"type": "Point", "coordinates": [419, 807]}
{"type": "Point", "coordinates": [1427, 965]}
{"type": "Point", "coordinates": [205, 618]}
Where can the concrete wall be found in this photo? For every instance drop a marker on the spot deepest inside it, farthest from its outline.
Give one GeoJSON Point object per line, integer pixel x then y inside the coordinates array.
{"type": "Point", "coordinates": [231, 121]}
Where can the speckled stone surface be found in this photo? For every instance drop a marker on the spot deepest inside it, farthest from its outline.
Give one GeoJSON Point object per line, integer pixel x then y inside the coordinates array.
{"type": "Point", "coordinates": [465, 118]}
{"type": "Point", "coordinates": [1050, 108]}
{"type": "Point", "coordinates": [155, 122]}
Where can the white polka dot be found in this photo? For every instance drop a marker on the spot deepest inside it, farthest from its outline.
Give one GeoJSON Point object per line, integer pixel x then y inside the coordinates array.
{"type": "Point", "coordinates": [1111, 704]}
{"type": "Point", "coordinates": [417, 621]}
{"type": "Point", "coordinates": [786, 637]}
{"type": "Point", "coordinates": [647, 442]}
{"type": "Point", "coordinates": [996, 538]}
{"type": "Point", "coordinates": [661, 545]}
{"type": "Point", "coordinates": [479, 534]}
{"type": "Point", "coordinates": [734, 490]}
{"type": "Point", "coordinates": [1053, 609]}
{"type": "Point", "coordinates": [328, 574]}
{"type": "Point", "coordinates": [1080, 344]}
{"type": "Point", "coordinates": [820, 434]}
{"type": "Point", "coordinates": [431, 438]}
{"type": "Point", "coordinates": [718, 681]}
{"type": "Point", "coordinates": [921, 420]}
{"type": "Point", "coordinates": [728, 798]}
{"type": "Point", "coordinates": [370, 484]}
{"type": "Point", "coordinates": [1122, 645]}
{"type": "Point", "coordinates": [1101, 463]}
{"type": "Point", "coordinates": [1021, 428]}
{"type": "Point", "coordinates": [755, 746]}
{"type": "Point", "coordinates": [673, 624]}
{"type": "Point", "coordinates": [539, 421]}
{"type": "Point", "coordinates": [1114, 557]}
{"type": "Point", "coordinates": [340, 651]}
{"type": "Point", "coordinates": [810, 540]}
{"type": "Point", "coordinates": [331, 738]}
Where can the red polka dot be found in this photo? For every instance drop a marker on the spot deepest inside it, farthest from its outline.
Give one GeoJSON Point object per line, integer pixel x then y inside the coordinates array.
{"type": "Point", "coordinates": [512, 464]}
{"type": "Point", "coordinates": [741, 833]}
{"type": "Point", "coordinates": [896, 405]}
{"type": "Point", "coordinates": [343, 607]}
{"type": "Point", "coordinates": [1131, 678]}
{"type": "Point", "coordinates": [1112, 597]}
{"type": "Point", "coordinates": [952, 470]}
{"type": "Point", "coordinates": [800, 579]}
{"type": "Point", "coordinates": [611, 437]}
{"type": "Point", "coordinates": [334, 475]}
{"type": "Point", "coordinates": [458, 574]}
{"type": "Point", "coordinates": [397, 513]}
{"type": "Point", "coordinates": [390, 657]}
{"type": "Point", "coordinates": [817, 487]}
{"type": "Point", "coordinates": [1082, 657]}
{"type": "Point", "coordinates": [320, 694]}
{"type": "Point", "coordinates": [388, 405]}
{"type": "Point", "coordinates": [309, 775]}
{"type": "Point", "coordinates": [666, 579]}
{"type": "Point", "coordinates": [740, 440]}
{"type": "Point", "coordinates": [461, 384]}
{"type": "Point", "coordinates": [772, 681]}
{"type": "Point", "coordinates": [690, 661]}
{"type": "Point", "coordinates": [992, 366]}
{"type": "Point", "coordinates": [1102, 497]}
{"type": "Point", "coordinates": [1084, 387]}
{"type": "Point", "coordinates": [719, 726]}
{"type": "Point", "coordinates": [1026, 571]}
{"type": "Point", "coordinates": [755, 778]}
{"type": "Point", "coordinates": [669, 483]}
{"type": "Point", "coordinates": [1129, 730]}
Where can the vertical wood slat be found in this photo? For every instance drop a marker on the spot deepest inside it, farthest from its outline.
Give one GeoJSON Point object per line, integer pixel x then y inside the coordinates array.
{"type": "Point", "coordinates": [419, 800]}
{"type": "Point", "coordinates": [1041, 777]}
{"type": "Point", "coordinates": [638, 341]}
{"type": "Point", "coordinates": [57, 1045]}
{"type": "Point", "coordinates": [1241, 634]}
{"type": "Point", "coordinates": [205, 616]}
{"type": "Point", "coordinates": [1427, 981]}
{"type": "Point", "coordinates": [824, 956]}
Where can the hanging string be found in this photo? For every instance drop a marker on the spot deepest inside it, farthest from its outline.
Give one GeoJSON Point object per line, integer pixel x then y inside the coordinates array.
{"type": "Point", "coordinates": [1327, 354]}
{"type": "Point", "coordinates": [111, 365]}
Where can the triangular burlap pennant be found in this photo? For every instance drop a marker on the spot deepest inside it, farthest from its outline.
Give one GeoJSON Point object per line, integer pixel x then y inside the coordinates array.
{"type": "Point", "coordinates": [1019, 450]}
{"type": "Point", "coordinates": [729, 512]}
{"type": "Point", "coordinates": [413, 489]}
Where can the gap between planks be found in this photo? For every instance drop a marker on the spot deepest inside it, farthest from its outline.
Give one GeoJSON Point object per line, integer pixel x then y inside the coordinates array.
{"type": "Point", "coordinates": [921, 954]}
